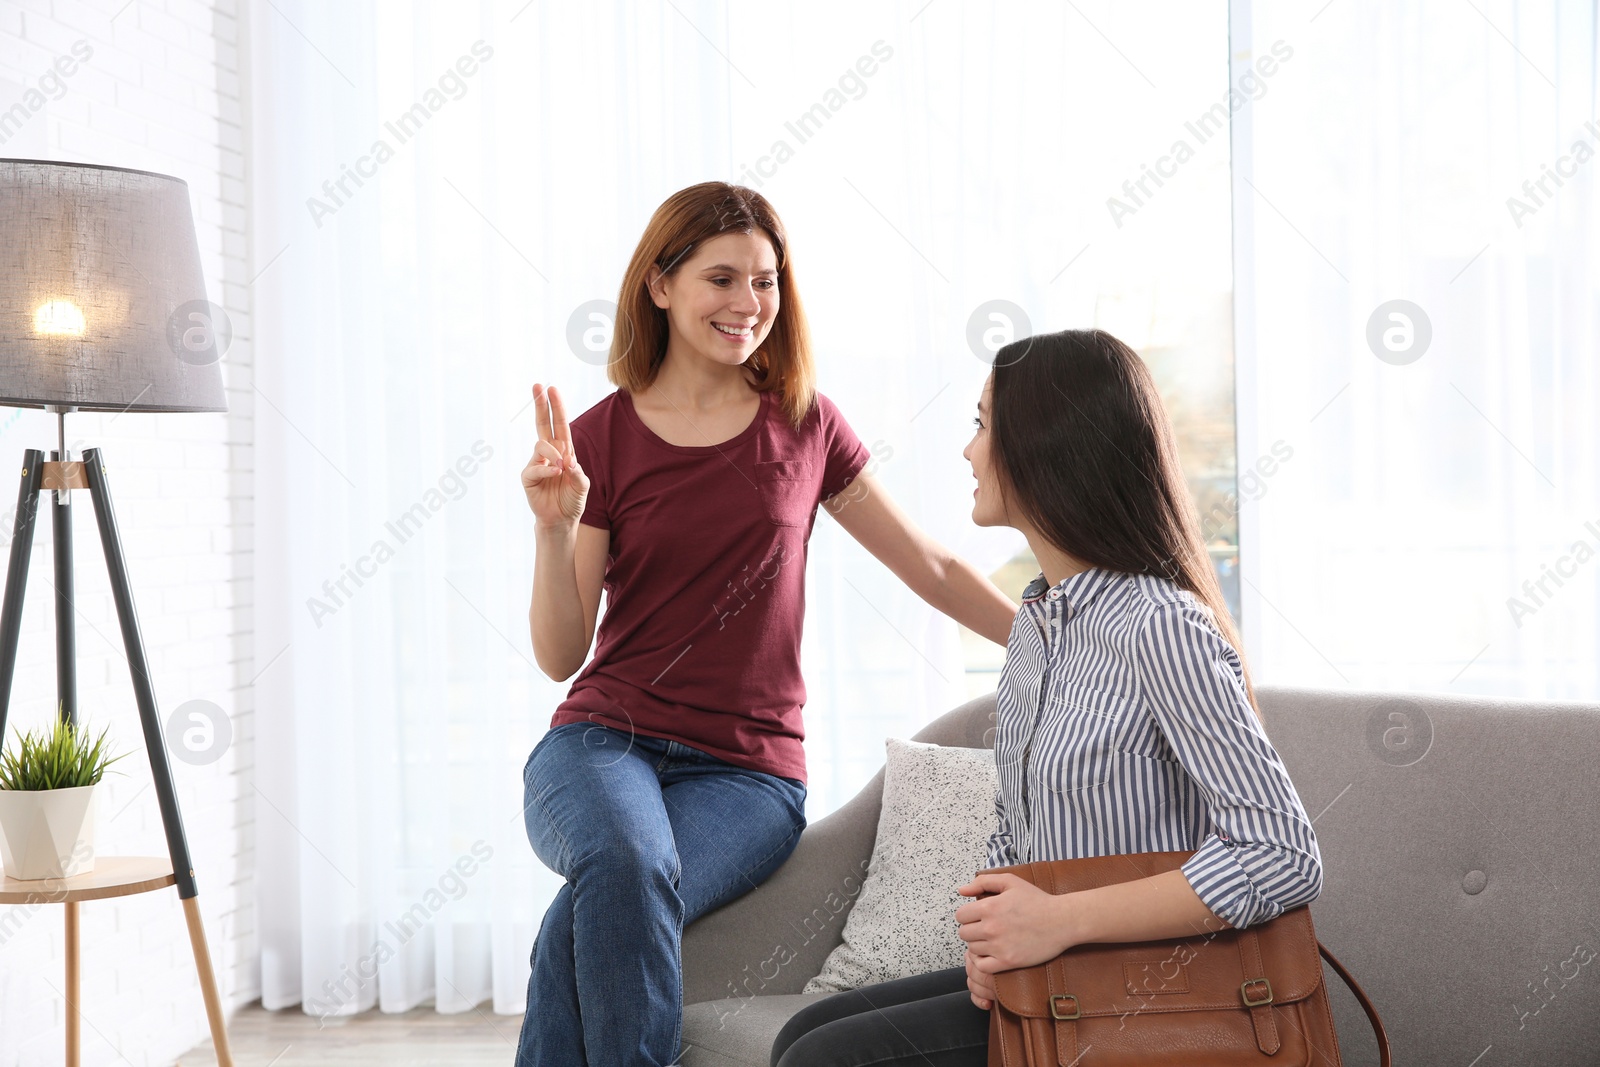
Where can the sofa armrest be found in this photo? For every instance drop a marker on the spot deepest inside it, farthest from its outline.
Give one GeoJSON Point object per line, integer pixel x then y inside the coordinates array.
{"type": "Point", "coordinates": [776, 937]}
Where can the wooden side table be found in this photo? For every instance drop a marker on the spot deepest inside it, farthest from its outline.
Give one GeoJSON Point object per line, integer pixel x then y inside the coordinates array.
{"type": "Point", "coordinates": [120, 876]}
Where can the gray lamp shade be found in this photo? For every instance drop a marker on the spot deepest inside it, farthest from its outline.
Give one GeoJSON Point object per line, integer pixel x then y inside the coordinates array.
{"type": "Point", "coordinates": [102, 303]}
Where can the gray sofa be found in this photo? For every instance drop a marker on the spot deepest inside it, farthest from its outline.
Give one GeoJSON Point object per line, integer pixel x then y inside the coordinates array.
{"type": "Point", "coordinates": [1460, 845]}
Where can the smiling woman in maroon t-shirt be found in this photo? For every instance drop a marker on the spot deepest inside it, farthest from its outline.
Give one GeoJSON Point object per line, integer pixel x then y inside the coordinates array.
{"type": "Point", "coordinates": [672, 778]}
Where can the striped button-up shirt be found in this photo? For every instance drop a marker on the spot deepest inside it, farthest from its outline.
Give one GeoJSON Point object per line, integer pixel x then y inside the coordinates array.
{"type": "Point", "coordinates": [1123, 726]}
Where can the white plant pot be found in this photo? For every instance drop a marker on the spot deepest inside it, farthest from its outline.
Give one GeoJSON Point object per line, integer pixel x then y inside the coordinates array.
{"type": "Point", "coordinates": [47, 833]}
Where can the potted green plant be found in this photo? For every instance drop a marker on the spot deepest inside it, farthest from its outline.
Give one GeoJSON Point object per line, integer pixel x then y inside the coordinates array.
{"type": "Point", "coordinates": [47, 789]}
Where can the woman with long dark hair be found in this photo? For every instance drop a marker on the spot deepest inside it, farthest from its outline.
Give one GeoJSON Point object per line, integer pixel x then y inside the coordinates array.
{"type": "Point", "coordinates": [1126, 721]}
{"type": "Point", "coordinates": [672, 779]}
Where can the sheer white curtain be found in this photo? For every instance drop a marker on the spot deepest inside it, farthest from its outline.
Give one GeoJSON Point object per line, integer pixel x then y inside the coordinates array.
{"type": "Point", "coordinates": [1430, 482]}
{"type": "Point", "coordinates": [433, 214]}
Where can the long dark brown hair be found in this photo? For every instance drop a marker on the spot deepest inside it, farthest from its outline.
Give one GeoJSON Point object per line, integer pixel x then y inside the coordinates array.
{"type": "Point", "coordinates": [1083, 450]}
{"type": "Point", "coordinates": [684, 221]}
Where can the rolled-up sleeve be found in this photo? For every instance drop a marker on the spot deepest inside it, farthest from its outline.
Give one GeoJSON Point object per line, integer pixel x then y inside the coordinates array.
{"type": "Point", "coordinates": [1261, 857]}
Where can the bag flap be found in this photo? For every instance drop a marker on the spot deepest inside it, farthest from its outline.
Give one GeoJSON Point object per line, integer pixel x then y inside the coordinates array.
{"type": "Point", "coordinates": [1201, 973]}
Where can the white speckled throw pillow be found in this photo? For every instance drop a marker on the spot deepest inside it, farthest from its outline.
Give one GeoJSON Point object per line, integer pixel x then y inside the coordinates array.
{"type": "Point", "coordinates": [938, 813]}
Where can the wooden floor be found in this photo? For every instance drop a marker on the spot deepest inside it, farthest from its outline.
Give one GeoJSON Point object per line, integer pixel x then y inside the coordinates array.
{"type": "Point", "coordinates": [419, 1038]}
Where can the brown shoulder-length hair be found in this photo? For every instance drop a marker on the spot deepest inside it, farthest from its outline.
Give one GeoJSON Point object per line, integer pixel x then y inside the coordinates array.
{"type": "Point", "coordinates": [684, 221]}
{"type": "Point", "coordinates": [1082, 444]}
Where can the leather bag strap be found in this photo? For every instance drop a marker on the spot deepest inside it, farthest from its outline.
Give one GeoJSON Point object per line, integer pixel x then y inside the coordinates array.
{"type": "Point", "coordinates": [1366, 1005]}
{"type": "Point", "coordinates": [1256, 993]}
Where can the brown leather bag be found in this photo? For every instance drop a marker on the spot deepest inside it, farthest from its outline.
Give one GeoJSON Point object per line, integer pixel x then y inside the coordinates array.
{"type": "Point", "coordinates": [1232, 997]}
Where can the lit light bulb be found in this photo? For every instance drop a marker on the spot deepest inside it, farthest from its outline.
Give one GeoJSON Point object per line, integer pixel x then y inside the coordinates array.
{"type": "Point", "coordinates": [58, 318]}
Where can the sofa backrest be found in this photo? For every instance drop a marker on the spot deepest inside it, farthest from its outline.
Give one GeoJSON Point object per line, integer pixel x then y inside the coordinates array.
{"type": "Point", "coordinates": [1460, 849]}
{"type": "Point", "coordinates": [1461, 855]}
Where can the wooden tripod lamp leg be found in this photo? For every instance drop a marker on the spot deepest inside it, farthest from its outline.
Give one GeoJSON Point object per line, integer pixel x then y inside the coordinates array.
{"type": "Point", "coordinates": [73, 1045]}
{"type": "Point", "coordinates": [155, 744]}
{"type": "Point", "coordinates": [208, 982]}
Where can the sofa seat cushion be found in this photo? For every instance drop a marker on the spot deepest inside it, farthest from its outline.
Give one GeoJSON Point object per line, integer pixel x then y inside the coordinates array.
{"type": "Point", "coordinates": [738, 1031]}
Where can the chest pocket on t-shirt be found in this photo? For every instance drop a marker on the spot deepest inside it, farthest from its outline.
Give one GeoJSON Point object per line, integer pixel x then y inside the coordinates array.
{"type": "Point", "coordinates": [787, 489]}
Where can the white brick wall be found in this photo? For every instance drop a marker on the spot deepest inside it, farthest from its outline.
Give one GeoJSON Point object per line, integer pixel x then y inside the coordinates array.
{"type": "Point", "coordinates": [160, 92]}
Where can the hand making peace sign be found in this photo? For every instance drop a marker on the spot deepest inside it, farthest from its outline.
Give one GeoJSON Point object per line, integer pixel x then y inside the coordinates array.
{"type": "Point", "coordinates": [553, 480]}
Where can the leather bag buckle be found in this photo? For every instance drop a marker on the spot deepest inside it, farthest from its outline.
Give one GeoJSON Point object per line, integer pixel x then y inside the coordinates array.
{"type": "Point", "coordinates": [1244, 992]}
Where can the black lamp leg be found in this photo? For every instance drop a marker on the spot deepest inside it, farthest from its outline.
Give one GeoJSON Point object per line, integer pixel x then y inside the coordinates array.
{"type": "Point", "coordinates": [17, 575]}
{"type": "Point", "coordinates": [66, 634]}
{"type": "Point", "coordinates": [133, 644]}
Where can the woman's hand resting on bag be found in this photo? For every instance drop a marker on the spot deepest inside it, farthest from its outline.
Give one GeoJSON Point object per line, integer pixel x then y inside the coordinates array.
{"type": "Point", "coordinates": [1012, 924]}
{"type": "Point", "coordinates": [553, 480]}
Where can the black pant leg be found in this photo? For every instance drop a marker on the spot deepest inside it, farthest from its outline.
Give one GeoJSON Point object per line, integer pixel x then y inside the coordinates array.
{"type": "Point", "coordinates": [927, 1019]}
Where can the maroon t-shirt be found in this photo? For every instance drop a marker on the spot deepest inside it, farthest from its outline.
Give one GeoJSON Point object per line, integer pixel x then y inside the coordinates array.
{"type": "Point", "coordinates": [705, 580]}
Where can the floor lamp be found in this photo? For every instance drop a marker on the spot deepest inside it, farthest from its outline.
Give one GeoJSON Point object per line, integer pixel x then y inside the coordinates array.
{"type": "Point", "coordinates": [102, 308]}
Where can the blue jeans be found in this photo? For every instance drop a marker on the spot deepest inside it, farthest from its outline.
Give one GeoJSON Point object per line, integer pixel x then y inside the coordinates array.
{"type": "Point", "coordinates": [650, 835]}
